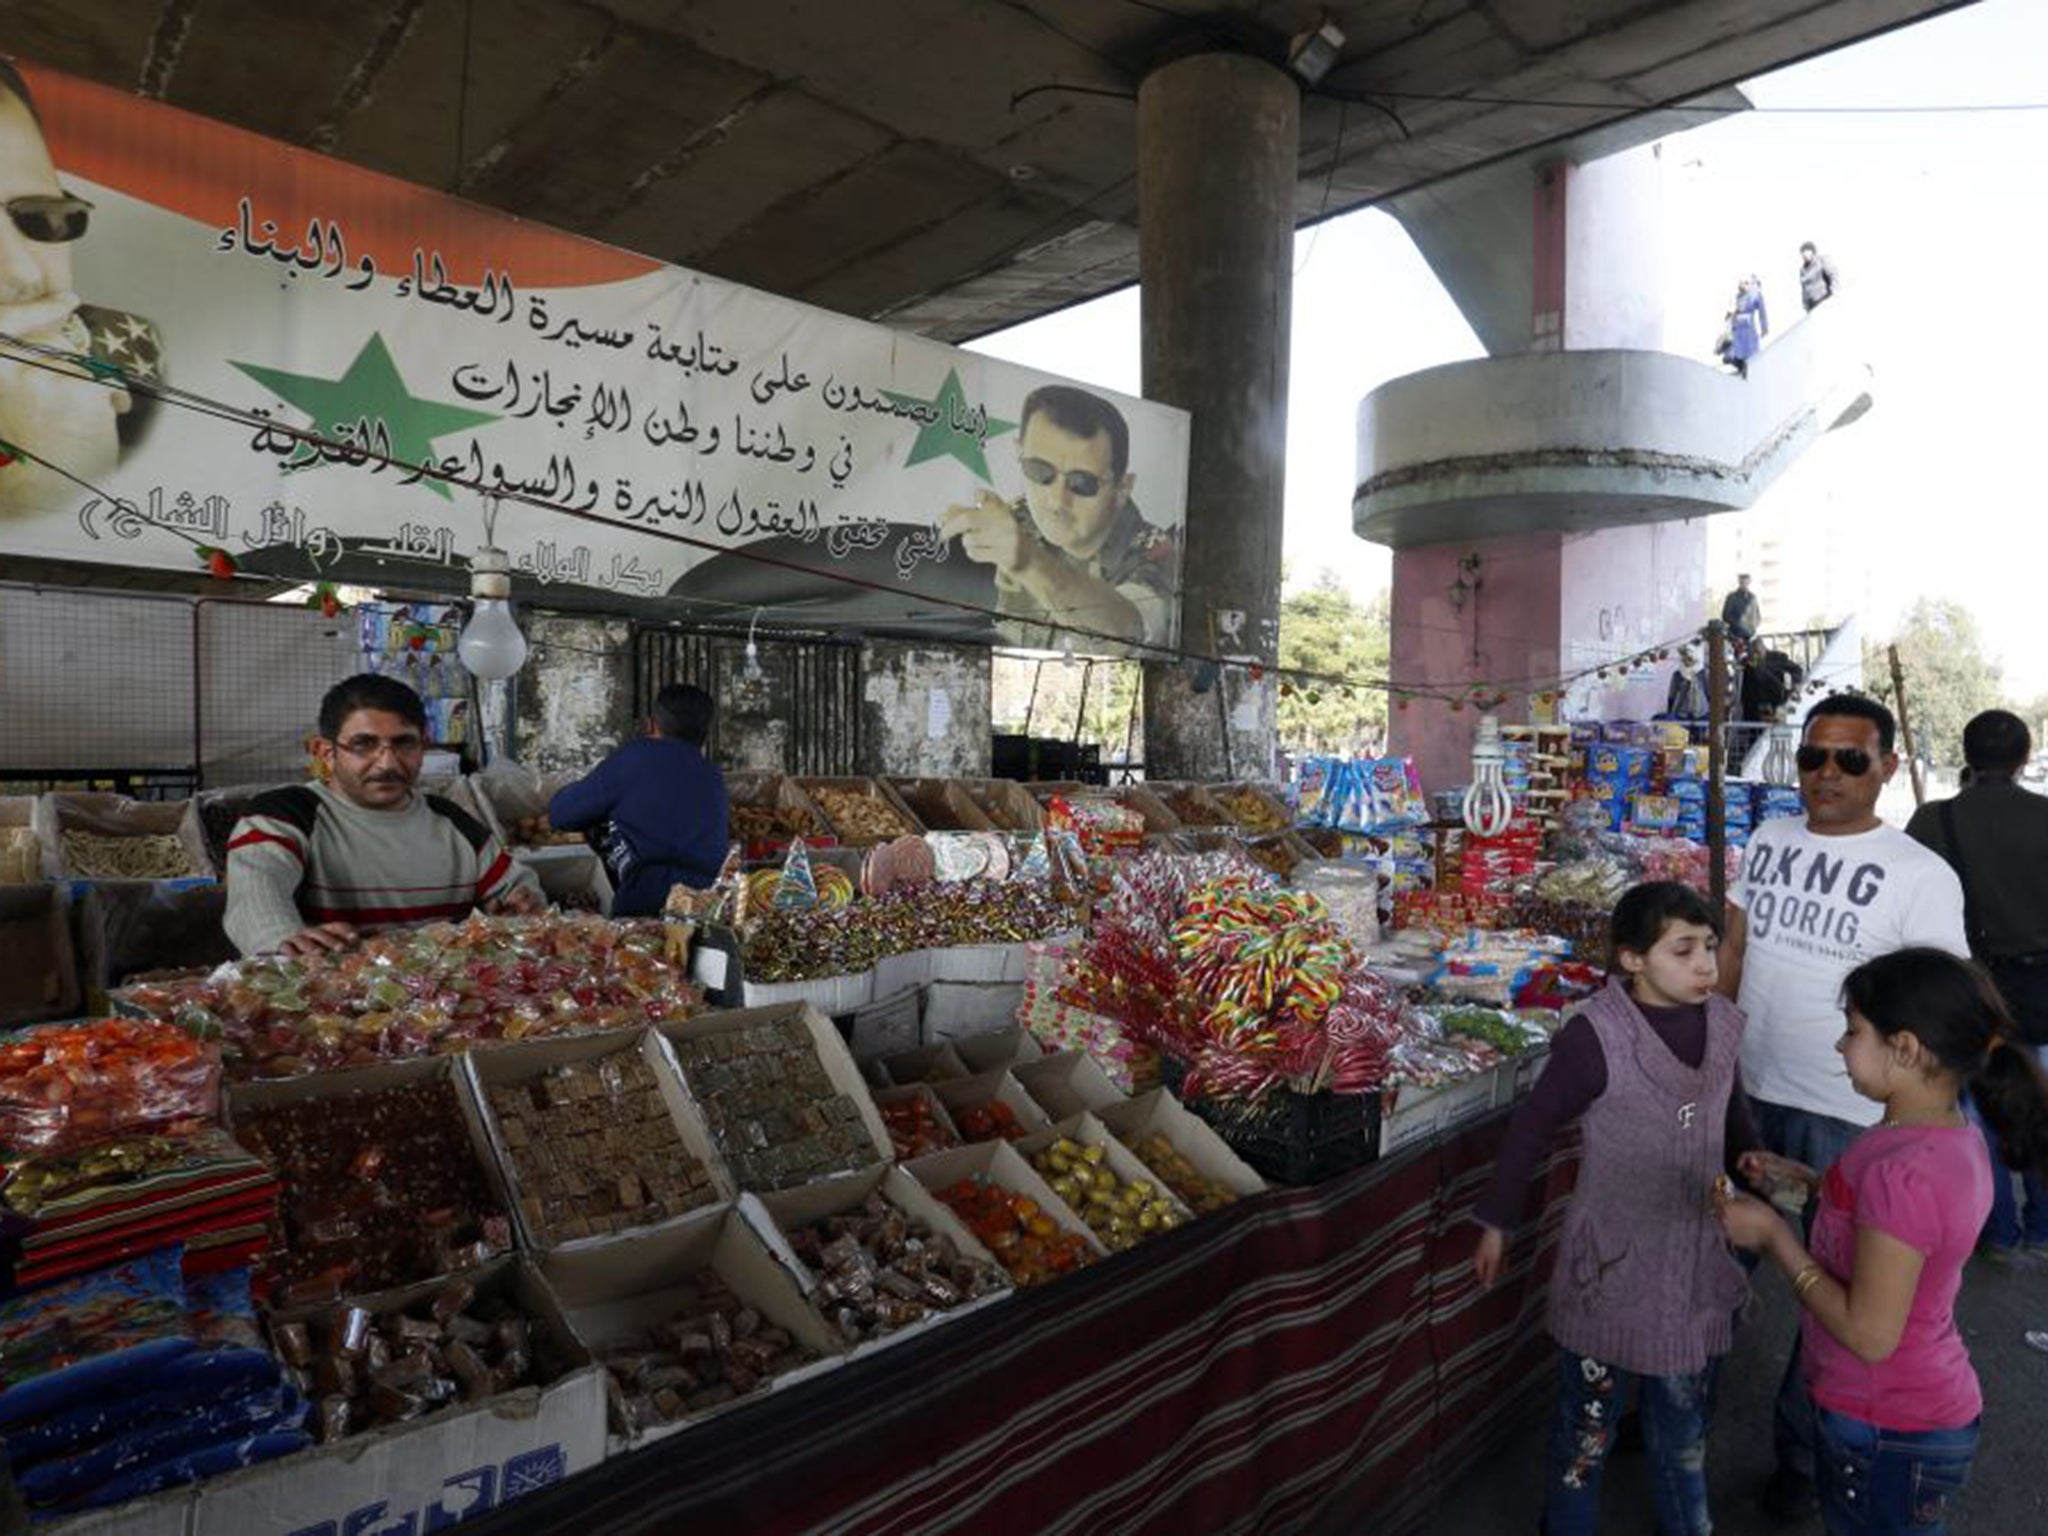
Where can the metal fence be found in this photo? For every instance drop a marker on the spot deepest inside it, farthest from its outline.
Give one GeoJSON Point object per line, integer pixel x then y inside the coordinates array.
{"type": "Point", "coordinates": [160, 694]}
{"type": "Point", "coordinates": [808, 690]}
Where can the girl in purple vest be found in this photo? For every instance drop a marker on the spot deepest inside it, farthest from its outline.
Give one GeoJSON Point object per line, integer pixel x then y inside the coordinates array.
{"type": "Point", "coordinates": [1645, 1289]}
{"type": "Point", "coordinates": [1895, 1400]}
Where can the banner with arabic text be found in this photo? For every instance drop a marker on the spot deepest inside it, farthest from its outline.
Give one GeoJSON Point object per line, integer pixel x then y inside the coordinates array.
{"type": "Point", "coordinates": [209, 340]}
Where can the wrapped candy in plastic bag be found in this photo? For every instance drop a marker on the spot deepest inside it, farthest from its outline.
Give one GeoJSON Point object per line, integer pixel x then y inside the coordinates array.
{"type": "Point", "coordinates": [66, 1086]}
{"type": "Point", "coordinates": [101, 1333]}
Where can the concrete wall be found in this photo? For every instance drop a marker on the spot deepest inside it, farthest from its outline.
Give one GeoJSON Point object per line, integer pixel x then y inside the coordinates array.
{"type": "Point", "coordinates": [1516, 616]}
{"type": "Point", "coordinates": [1623, 590]}
{"type": "Point", "coordinates": [924, 709]}
{"type": "Point", "coordinates": [1614, 261]}
{"type": "Point", "coordinates": [574, 698]}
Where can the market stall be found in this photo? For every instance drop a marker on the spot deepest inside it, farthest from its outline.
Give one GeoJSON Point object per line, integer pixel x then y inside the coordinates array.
{"type": "Point", "coordinates": [964, 1141]}
{"type": "Point", "coordinates": [1312, 1359]}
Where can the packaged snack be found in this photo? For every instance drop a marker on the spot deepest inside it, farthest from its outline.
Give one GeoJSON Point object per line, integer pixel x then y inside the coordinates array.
{"type": "Point", "coordinates": [91, 1335]}
{"type": "Point", "coordinates": [66, 1086]}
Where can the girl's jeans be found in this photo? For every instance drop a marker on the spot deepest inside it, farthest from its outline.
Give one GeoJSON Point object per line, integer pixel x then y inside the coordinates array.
{"type": "Point", "coordinates": [1875, 1482]}
{"type": "Point", "coordinates": [1590, 1396]}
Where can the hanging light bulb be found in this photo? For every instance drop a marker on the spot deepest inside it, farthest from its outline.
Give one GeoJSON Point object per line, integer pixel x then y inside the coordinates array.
{"type": "Point", "coordinates": [752, 671]}
{"type": "Point", "coordinates": [1780, 757]}
{"type": "Point", "coordinates": [490, 645]}
{"type": "Point", "coordinates": [1487, 807]}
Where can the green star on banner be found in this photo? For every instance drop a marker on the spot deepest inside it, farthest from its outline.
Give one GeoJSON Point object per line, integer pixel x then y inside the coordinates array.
{"type": "Point", "coordinates": [371, 391]}
{"type": "Point", "coordinates": [952, 431]}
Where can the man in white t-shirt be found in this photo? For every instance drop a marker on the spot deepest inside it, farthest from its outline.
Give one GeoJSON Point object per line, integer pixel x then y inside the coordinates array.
{"type": "Point", "coordinates": [1818, 895]}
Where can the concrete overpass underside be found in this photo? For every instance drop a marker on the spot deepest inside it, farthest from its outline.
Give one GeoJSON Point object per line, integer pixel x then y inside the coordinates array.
{"type": "Point", "coordinates": [948, 166]}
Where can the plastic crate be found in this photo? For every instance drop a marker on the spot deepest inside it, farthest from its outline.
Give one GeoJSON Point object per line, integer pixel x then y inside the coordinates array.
{"type": "Point", "coordinates": [1293, 1138]}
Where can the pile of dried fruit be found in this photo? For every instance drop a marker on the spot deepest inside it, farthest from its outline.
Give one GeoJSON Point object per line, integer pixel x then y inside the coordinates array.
{"type": "Point", "coordinates": [1120, 1214]}
{"type": "Point", "coordinates": [1028, 1243]}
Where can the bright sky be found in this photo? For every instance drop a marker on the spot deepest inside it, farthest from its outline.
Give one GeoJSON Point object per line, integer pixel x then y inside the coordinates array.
{"type": "Point", "coordinates": [1937, 222]}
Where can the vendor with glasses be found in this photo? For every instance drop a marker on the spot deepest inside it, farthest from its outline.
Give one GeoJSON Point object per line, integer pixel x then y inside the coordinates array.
{"type": "Point", "coordinates": [1818, 895]}
{"type": "Point", "coordinates": [313, 866]}
{"type": "Point", "coordinates": [52, 407]}
{"type": "Point", "coordinates": [1074, 551]}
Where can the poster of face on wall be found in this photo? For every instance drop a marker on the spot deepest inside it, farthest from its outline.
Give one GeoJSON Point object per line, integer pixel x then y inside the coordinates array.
{"type": "Point", "coordinates": [209, 339]}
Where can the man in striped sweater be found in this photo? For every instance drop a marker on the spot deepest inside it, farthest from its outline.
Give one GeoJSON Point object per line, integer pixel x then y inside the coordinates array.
{"type": "Point", "coordinates": [313, 866]}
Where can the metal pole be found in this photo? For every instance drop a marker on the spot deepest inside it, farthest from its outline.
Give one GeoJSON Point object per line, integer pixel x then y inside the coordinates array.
{"type": "Point", "coordinates": [1081, 709]}
{"type": "Point", "coordinates": [1031, 707]}
{"type": "Point", "coordinates": [1717, 763]}
{"type": "Point", "coordinates": [1906, 725]}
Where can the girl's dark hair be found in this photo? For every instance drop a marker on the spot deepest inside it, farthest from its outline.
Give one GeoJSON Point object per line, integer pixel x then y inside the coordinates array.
{"type": "Point", "coordinates": [1954, 1010]}
{"type": "Point", "coordinates": [1645, 911]}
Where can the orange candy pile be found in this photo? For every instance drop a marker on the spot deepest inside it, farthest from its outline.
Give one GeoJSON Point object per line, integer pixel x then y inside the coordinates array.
{"type": "Point", "coordinates": [993, 1121]}
{"type": "Point", "coordinates": [1027, 1241]}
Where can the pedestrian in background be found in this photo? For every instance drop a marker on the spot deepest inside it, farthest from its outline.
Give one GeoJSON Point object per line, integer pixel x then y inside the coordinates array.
{"type": "Point", "coordinates": [1994, 834]}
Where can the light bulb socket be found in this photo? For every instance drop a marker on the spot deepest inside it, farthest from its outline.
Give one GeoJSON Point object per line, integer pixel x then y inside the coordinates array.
{"type": "Point", "coordinates": [490, 574]}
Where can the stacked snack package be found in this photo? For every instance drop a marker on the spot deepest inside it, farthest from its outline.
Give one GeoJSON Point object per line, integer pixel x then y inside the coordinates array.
{"type": "Point", "coordinates": [107, 1131]}
{"type": "Point", "coordinates": [1615, 773]}
{"type": "Point", "coordinates": [131, 1379]}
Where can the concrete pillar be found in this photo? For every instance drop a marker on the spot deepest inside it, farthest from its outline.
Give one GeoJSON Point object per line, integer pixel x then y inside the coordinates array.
{"type": "Point", "coordinates": [1218, 145]}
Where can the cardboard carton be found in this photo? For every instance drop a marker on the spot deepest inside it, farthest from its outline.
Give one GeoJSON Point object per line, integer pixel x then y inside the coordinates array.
{"type": "Point", "coordinates": [1159, 1113]}
{"type": "Point", "coordinates": [887, 1025]}
{"type": "Point", "coordinates": [973, 1092]}
{"type": "Point", "coordinates": [436, 1471]}
{"type": "Point", "coordinates": [622, 1287]}
{"type": "Point", "coordinates": [958, 1009]}
{"type": "Point", "coordinates": [1001, 1164]}
{"type": "Point", "coordinates": [1066, 1083]}
{"type": "Point", "coordinates": [782, 1214]}
{"type": "Point", "coordinates": [521, 1062]}
{"type": "Point", "coordinates": [1005, 802]}
{"type": "Point", "coordinates": [825, 1040]}
{"type": "Point", "coordinates": [1410, 1115]}
{"type": "Point", "coordinates": [872, 789]}
{"type": "Point", "coordinates": [1003, 1047]}
{"type": "Point", "coordinates": [884, 1097]}
{"type": "Point", "coordinates": [1088, 1131]}
{"type": "Point", "coordinates": [106, 815]}
{"type": "Point", "coordinates": [938, 1063]}
{"type": "Point", "coordinates": [942, 805]}
{"type": "Point", "coordinates": [240, 1098]}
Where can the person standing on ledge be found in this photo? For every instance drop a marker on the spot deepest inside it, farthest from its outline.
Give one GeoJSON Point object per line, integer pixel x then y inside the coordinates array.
{"type": "Point", "coordinates": [1818, 280]}
{"type": "Point", "coordinates": [657, 805]}
{"type": "Point", "coordinates": [312, 867]}
{"type": "Point", "coordinates": [1741, 611]}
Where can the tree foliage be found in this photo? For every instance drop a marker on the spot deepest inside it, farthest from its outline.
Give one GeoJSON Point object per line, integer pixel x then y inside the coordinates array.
{"type": "Point", "coordinates": [1324, 629]}
{"type": "Point", "coordinates": [1948, 676]}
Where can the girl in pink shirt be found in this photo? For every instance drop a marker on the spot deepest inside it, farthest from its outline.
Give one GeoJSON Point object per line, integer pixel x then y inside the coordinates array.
{"type": "Point", "coordinates": [1896, 1403]}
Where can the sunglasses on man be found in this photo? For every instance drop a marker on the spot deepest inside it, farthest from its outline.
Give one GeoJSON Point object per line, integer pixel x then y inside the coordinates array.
{"type": "Point", "coordinates": [49, 219]}
{"type": "Point", "coordinates": [1081, 482]}
{"type": "Point", "coordinates": [1853, 761]}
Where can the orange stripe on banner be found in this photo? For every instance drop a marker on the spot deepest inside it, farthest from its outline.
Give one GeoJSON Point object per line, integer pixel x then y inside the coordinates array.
{"type": "Point", "coordinates": [202, 169]}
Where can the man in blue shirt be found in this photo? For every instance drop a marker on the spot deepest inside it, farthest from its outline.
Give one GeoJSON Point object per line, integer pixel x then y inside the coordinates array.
{"type": "Point", "coordinates": [660, 803]}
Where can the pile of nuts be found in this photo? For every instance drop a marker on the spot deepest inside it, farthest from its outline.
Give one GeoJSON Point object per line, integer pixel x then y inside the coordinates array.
{"type": "Point", "coordinates": [713, 1350]}
{"type": "Point", "coordinates": [539, 832]}
{"type": "Point", "coordinates": [878, 1270]}
{"type": "Point", "coordinates": [772, 823]}
{"type": "Point", "coordinates": [596, 1150]}
{"type": "Point", "coordinates": [364, 1370]}
{"type": "Point", "coordinates": [772, 1109]}
{"type": "Point", "coordinates": [858, 817]}
{"type": "Point", "coordinates": [1250, 811]}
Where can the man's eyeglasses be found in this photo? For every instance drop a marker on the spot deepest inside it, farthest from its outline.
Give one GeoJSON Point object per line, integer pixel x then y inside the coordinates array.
{"type": "Point", "coordinates": [1082, 482]}
{"type": "Point", "coordinates": [1853, 761]}
{"type": "Point", "coordinates": [49, 219]}
{"type": "Point", "coordinates": [365, 748]}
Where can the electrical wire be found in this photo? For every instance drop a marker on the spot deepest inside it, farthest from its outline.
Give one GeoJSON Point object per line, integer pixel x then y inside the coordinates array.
{"type": "Point", "coordinates": [1476, 692]}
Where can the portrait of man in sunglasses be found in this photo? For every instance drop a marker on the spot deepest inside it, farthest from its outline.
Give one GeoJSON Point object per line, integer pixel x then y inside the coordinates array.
{"type": "Point", "coordinates": [52, 406]}
{"type": "Point", "coordinates": [1075, 551]}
